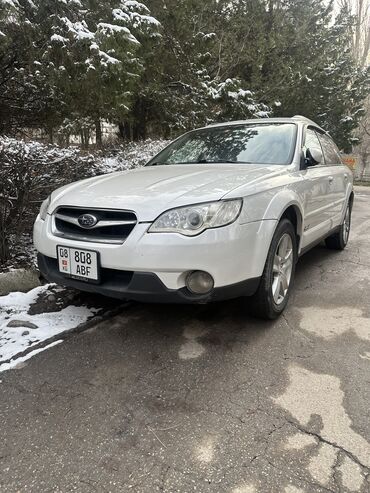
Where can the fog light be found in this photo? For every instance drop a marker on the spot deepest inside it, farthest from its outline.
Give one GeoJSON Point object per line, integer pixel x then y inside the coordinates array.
{"type": "Point", "coordinates": [199, 282]}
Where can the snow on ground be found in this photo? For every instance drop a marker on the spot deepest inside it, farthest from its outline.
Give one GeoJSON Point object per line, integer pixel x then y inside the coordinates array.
{"type": "Point", "coordinates": [16, 362]}
{"type": "Point", "coordinates": [20, 331]}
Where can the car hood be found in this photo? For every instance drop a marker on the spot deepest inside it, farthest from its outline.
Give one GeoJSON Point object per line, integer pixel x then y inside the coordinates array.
{"type": "Point", "coordinates": [151, 190]}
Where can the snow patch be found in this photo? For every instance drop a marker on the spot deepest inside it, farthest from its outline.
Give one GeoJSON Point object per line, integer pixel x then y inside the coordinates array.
{"type": "Point", "coordinates": [14, 4]}
{"type": "Point", "coordinates": [58, 38]}
{"type": "Point", "coordinates": [15, 306]}
{"type": "Point", "coordinates": [14, 363]}
{"type": "Point", "coordinates": [78, 29]}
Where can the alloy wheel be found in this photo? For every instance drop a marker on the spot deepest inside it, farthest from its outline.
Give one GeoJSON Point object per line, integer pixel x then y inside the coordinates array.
{"type": "Point", "coordinates": [282, 268]}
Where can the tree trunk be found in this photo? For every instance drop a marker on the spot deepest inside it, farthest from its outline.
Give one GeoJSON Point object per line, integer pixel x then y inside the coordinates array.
{"type": "Point", "coordinates": [124, 129]}
{"type": "Point", "coordinates": [140, 113]}
{"type": "Point", "coordinates": [4, 250]}
{"type": "Point", "coordinates": [86, 132]}
{"type": "Point", "coordinates": [98, 133]}
{"type": "Point", "coordinates": [4, 247]}
{"type": "Point", "coordinates": [121, 130]}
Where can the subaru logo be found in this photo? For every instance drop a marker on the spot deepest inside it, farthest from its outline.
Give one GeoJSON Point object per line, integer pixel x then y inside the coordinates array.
{"type": "Point", "coordinates": [87, 221]}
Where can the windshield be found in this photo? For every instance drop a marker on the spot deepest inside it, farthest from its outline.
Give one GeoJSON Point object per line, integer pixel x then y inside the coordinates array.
{"type": "Point", "coordinates": [262, 143]}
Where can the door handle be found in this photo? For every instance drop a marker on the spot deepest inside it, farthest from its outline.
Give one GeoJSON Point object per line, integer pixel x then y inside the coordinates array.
{"type": "Point", "coordinates": [345, 176]}
{"type": "Point", "coordinates": [331, 178]}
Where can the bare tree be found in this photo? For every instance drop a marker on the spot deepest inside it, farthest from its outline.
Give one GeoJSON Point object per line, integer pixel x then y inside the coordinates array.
{"type": "Point", "coordinates": [360, 10]}
{"type": "Point", "coordinates": [363, 149]}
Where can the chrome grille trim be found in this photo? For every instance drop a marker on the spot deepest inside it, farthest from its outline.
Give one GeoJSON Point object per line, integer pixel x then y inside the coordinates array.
{"type": "Point", "coordinates": [99, 224]}
{"type": "Point", "coordinates": [109, 228]}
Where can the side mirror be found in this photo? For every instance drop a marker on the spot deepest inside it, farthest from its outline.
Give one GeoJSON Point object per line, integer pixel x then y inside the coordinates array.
{"type": "Point", "coordinates": [313, 157]}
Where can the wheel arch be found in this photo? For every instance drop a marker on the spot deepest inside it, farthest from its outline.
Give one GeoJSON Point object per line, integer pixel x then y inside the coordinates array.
{"type": "Point", "coordinates": [351, 198]}
{"type": "Point", "coordinates": [293, 213]}
{"type": "Point", "coordinates": [287, 205]}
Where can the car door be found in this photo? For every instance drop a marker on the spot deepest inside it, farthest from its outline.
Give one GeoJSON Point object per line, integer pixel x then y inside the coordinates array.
{"type": "Point", "coordinates": [338, 179]}
{"type": "Point", "coordinates": [317, 196]}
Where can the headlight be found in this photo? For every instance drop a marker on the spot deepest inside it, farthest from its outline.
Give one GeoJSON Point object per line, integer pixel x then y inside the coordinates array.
{"type": "Point", "coordinates": [194, 219]}
{"type": "Point", "coordinates": [44, 208]}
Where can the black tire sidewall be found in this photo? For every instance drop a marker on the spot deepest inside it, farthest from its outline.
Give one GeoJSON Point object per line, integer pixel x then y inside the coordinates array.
{"type": "Point", "coordinates": [336, 241]}
{"type": "Point", "coordinates": [285, 226]}
{"type": "Point", "coordinates": [344, 243]}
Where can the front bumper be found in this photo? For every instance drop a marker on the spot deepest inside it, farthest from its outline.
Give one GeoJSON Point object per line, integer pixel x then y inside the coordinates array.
{"type": "Point", "coordinates": [142, 286]}
{"type": "Point", "coordinates": [153, 266]}
{"type": "Point", "coordinates": [231, 254]}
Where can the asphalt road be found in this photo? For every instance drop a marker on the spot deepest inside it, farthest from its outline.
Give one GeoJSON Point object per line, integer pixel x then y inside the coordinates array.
{"type": "Point", "coordinates": [207, 399]}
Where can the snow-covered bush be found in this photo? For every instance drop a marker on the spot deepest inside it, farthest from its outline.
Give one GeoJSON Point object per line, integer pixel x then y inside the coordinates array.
{"type": "Point", "coordinates": [130, 155]}
{"type": "Point", "coordinates": [29, 171]}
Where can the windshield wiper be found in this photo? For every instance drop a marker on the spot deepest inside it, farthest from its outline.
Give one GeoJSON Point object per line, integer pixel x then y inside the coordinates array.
{"type": "Point", "coordinates": [201, 161]}
{"type": "Point", "coordinates": [205, 161]}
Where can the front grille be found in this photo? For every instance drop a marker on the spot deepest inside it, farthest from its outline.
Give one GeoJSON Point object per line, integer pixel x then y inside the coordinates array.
{"type": "Point", "coordinates": [112, 225]}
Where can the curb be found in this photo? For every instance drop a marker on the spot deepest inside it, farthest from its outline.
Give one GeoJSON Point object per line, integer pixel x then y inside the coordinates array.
{"type": "Point", "coordinates": [18, 280]}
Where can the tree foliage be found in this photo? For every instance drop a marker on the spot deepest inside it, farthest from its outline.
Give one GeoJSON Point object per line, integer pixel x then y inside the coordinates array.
{"type": "Point", "coordinates": [170, 65]}
{"type": "Point", "coordinates": [77, 59]}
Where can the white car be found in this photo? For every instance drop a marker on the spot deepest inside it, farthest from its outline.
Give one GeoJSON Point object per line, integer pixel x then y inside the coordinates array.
{"type": "Point", "coordinates": [222, 212]}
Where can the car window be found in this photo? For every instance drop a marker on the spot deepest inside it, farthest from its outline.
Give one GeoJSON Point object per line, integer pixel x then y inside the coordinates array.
{"type": "Point", "coordinates": [265, 143]}
{"type": "Point", "coordinates": [312, 141]}
{"type": "Point", "coordinates": [331, 154]}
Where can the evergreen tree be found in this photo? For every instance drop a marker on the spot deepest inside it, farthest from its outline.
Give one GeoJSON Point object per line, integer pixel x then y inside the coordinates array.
{"type": "Point", "coordinates": [81, 56]}
{"type": "Point", "coordinates": [172, 65]}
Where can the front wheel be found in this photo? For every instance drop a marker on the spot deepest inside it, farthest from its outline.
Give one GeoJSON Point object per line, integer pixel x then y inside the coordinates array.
{"type": "Point", "coordinates": [276, 282]}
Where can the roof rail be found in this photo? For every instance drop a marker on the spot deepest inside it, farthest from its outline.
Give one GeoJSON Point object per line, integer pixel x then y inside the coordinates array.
{"type": "Point", "coordinates": [310, 122]}
{"type": "Point", "coordinates": [300, 117]}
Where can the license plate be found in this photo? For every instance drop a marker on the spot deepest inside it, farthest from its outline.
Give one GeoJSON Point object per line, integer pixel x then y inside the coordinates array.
{"type": "Point", "coordinates": [78, 264]}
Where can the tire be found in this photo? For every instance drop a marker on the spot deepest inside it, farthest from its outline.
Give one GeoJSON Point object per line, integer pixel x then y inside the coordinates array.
{"type": "Point", "coordinates": [339, 240]}
{"type": "Point", "coordinates": [272, 295]}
